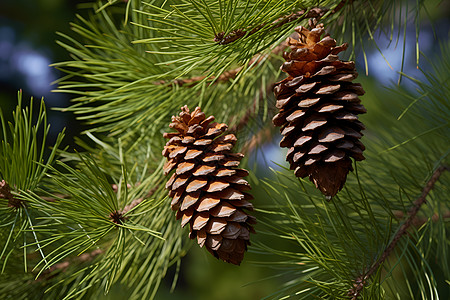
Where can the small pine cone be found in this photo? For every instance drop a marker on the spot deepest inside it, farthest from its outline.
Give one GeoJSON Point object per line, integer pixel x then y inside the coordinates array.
{"type": "Point", "coordinates": [207, 188]}
{"type": "Point", "coordinates": [318, 106]}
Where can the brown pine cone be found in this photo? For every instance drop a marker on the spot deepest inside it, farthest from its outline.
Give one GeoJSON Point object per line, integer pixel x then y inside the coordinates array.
{"type": "Point", "coordinates": [207, 188]}
{"type": "Point", "coordinates": [318, 106]}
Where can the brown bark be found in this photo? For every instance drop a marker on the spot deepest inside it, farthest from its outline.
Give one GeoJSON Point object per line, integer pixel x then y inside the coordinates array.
{"type": "Point", "coordinates": [360, 282]}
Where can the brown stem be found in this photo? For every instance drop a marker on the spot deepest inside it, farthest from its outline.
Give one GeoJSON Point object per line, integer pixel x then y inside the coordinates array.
{"type": "Point", "coordinates": [360, 282]}
{"type": "Point", "coordinates": [224, 77]}
{"type": "Point", "coordinates": [264, 134]}
{"type": "Point", "coordinates": [5, 193]}
{"type": "Point", "coordinates": [118, 216]}
{"type": "Point", "coordinates": [419, 221]}
{"type": "Point", "coordinates": [339, 6]}
{"type": "Point", "coordinates": [62, 266]}
{"type": "Point", "coordinates": [78, 259]}
{"type": "Point", "coordinates": [259, 138]}
{"type": "Point", "coordinates": [190, 82]}
{"type": "Point", "coordinates": [251, 110]}
{"type": "Point", "coordinates": [256, 139]}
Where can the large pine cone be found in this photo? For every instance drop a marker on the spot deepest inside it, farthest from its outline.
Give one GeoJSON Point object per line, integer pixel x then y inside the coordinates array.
{"type": "Point", "coordinates": [207, 188]}
{"type": "Point", "coordinates": [318, 106]}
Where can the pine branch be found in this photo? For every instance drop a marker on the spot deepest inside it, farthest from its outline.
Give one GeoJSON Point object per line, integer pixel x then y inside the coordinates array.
{"type": "Point", "coordinates": [225, 76]}
{"type": "Point", "coordinates": [339, 6]}
{"type": "Point", "coordinates": [316, 12]}
{"type": "Point", "coordinates": [259, 138]}
{"type": "Point", "coordinates": [5, 193]}
{"type": "Point", "coordinates": [137, 201]}
{"type": "Point", "coordinates": [190, 82]}
{"type": "Point", "coordinates": [263, 134]}
{"type": "Point", "coordinates": [360, 282]}
{"type": "Point", "coordinates": [419, 221]}
{"type": "Point", "coordinates": [243, 121]}
{"type": "Point", "coordinates": [64, 265]}
{"type": "Point", "coordinates": [313, 13]}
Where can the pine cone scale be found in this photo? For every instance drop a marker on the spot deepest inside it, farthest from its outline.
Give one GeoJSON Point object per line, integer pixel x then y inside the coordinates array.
{"type": "Point", "coordinates": [207, 202]}
{"type": "Point", "coordinates": [189, 200]}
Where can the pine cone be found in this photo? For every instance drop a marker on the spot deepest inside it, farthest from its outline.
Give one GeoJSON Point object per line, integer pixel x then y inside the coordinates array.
{"type": "Point", "coordinates": [318, 106]}
{"type": "Point", "coordinates": [207, 188]}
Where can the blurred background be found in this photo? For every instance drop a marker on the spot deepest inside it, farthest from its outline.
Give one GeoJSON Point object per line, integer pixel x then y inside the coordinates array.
{"type": "Point", "coordinates": [27, 48]}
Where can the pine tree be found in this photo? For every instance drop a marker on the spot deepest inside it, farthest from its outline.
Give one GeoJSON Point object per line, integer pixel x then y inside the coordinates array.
{"type": "Point", "coordinates": [82, 224]}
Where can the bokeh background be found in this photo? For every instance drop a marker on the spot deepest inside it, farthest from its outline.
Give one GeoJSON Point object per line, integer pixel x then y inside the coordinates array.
{"type": "Point", "coordinates": [28, 46]}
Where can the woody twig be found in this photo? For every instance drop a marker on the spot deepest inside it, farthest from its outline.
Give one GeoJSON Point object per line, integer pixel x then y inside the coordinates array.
{"type": "Point", "coordinates": [314, 13]}
{"type": "Point", "coordinates": [360, 282]}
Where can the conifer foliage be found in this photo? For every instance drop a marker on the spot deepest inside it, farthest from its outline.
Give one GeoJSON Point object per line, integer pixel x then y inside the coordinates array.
{"type": "Point", "coordinates": [103, 222]}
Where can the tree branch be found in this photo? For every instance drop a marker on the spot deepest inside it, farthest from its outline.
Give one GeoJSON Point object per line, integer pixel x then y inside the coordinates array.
{"type": "Point", "coordinates": [62, 266]}
{"type": "Point", "coordinates": [339, 6]}
{"type": "Point", "coordinates": [251, 110]}
{"type": "Point", "coordinates": [259, 138]}
{"type": "Point", "coordinates": [361, 281]}
{"type": "Point", "coordinates": [5, 193]}
{"type": "Point", "coordinates": [419, 221]}
{"type": "Point", "coordinates": [315, 12]}
{"type": "Point", "coordinates": [220, 37]}
{"type": "Point", "coordinates": [118, 216]}
{"type": "Point", "coordinates": [224, 77]}
{"type": "Point", "coordinates": [236, 34]}
{"type": "Point", "coordinates": [135, 202]}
